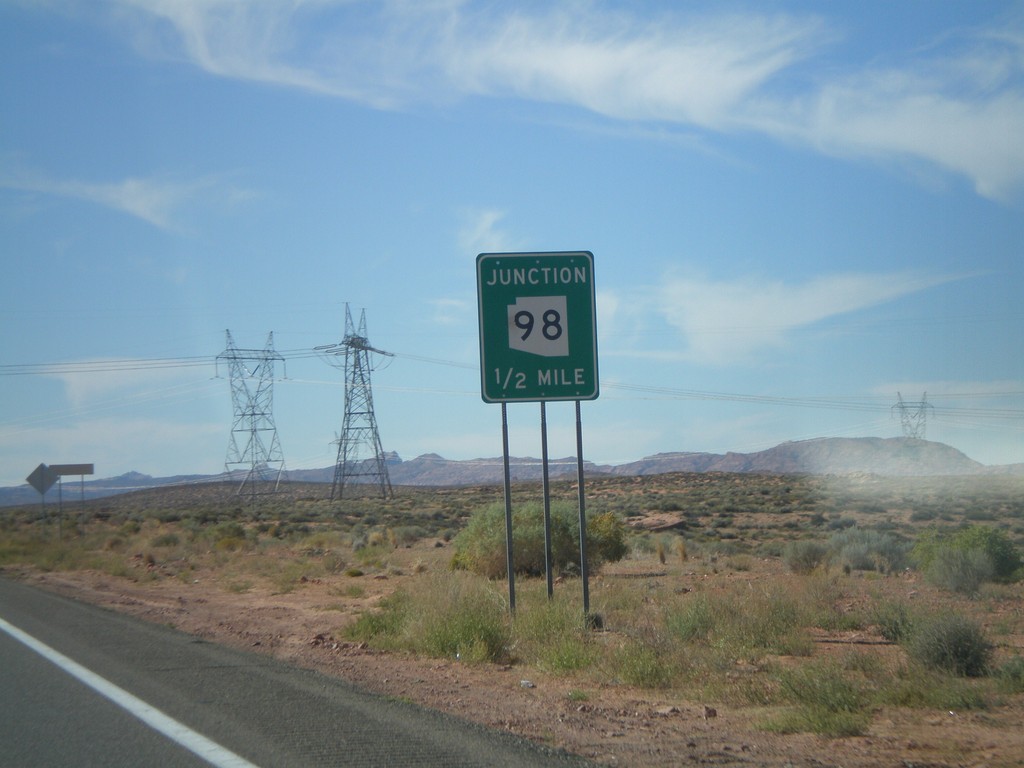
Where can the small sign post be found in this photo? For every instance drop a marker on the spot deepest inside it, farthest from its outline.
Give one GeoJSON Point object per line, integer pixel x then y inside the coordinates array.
{"type": "Point", "coordinates": [538, 343]}
{"type": "Point", "coordinates": [43, 477]}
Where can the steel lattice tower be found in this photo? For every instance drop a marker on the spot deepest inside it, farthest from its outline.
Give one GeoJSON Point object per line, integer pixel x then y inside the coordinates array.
{"type": "Point", "coordinates": [254, 445]}
{"type": "Point", "coordinates": [913, 416]}
{"type": "Point", "coordinates": [361, 463]}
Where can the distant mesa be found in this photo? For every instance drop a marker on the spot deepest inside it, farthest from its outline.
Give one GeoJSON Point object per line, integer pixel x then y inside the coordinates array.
{"type": "Point", "coordinates": [893, 457]}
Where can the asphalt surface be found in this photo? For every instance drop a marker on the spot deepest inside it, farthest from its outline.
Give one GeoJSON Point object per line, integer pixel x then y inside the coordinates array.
{"type": "Point", "coordinates": [265, 712]}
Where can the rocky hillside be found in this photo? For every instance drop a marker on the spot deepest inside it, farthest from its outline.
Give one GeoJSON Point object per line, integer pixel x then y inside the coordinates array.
{"type": "Point", "coordinates": [897, 456]}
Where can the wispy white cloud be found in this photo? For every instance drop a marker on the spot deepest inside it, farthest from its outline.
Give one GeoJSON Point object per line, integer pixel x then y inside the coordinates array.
{"type": "Point", "coordinates": [693, 70]}
{"type": "Point", "coordinates": [452, 312]}
{"type": "Point", "coordinates": [479, 232]}
{"type": "Point", "coordinates": [725, 322]}
{"type": "Point", "coordinates": [958, 105]}
{"type": "Point", "coordinates": [155, 200]}
{"type": "Point", "coordinates": [92, 390]}
{"type": "Point", "coordinates": [365, 52]}
{"type": "Point", "coordinates": [962, 112]}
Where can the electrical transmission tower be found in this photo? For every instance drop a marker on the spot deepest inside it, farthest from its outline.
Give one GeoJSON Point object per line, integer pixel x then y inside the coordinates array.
{"type": "Point", "coordinates": [361, 463]}
{"type": "Point", "coordinates": [913, 416]}
{"type": "Point", "coordinates": [254, 446]}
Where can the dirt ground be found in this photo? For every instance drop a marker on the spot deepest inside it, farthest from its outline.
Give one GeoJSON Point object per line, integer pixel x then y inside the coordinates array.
{"type": "Point", "coordinates": [615, 725]}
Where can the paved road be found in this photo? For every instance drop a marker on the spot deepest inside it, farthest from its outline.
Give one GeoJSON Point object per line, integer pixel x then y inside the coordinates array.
{"type": "Point", "coordinates": [253, 709]}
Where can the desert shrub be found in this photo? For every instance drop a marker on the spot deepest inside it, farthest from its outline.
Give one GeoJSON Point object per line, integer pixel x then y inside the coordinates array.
{"type": "Point", "coordinates": [916, 687]}
{"type": "Point", "coordinates": [606, 539]}
{"type": "Point", "coordinates": [694, 621]}
{"type": "Point", "coordinates": [382, 627]}
{"type": "Point", "coordinates": [358, 537]}
{"type": "Point", "coordinates": [894, 620]}
{"type": "Point", "coordinates": [746, 623]}
{"type": "Point", "coordinates": [166, 540]}
{"type": "Point", "coordinates": [643, 543]}
{"type": "Point", "coordinates": [823, 604]}
{"type": "Point", "coordinates": [827, 702]}
{"type": "Point", "coordinates": [229, 544]}
{"type": "Point", "coordinates": [638, 663]}
{"type": "Point", "coordinates": [1010, 676]}
{"type": "Point", "coordinates": [868, 550]}
{"type": "Point", "coordinates": [804, 556]}
{"type": "Point", "coordinates": [950, 643]}
{"type": "Point", "coordinates": [1006, 560]}
{"type": "Point", "coordinates": [333, 563]}
{"type": "Point", "coordinates": [960, 570]}
{"type": "Point", "coordinates": [994, 543]}
{"type": "Point", "coordinates": [480, 546]}
{"type": "Point", "coordinates": [472, 630]}
{"type": "Point", "coordinates": [554, 635]}
{"type": "Point", "coordinates": [227, 530]}
{"type": "Point", "coordinates": [450, 616]}
{"type": "Point", "coordinates": [770, 622]}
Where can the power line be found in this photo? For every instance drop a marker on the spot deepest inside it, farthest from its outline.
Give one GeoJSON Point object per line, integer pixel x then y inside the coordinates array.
{"type": "Point", "coordinates": [864, 403]}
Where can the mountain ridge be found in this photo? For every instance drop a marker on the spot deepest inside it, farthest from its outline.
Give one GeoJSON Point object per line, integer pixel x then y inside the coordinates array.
{"type": "Point", "coordinates": [896, 456]}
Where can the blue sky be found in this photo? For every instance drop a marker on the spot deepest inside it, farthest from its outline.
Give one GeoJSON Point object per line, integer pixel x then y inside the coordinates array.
{"type": "Point", "coordinates": [797, 210]}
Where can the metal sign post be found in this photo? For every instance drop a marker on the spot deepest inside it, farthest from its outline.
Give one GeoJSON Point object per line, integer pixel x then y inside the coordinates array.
{"type": "Point", "coordinates": [584, 571]}
{"type": "Point", "coordinates": [70, 469]}
{"type": "Point", "coordinates": [509, 562]}
{"type": "Point", "coordinates": [538, 343]}
{"type": "Point", "coordinates": [547, 499]}
{"type": "Point", "coordinates": [43, 477]}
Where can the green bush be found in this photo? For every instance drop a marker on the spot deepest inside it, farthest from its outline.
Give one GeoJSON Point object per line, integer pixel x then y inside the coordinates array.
{"type": "Point", "coordinates": [694, 621]}
{"type": "Point", "coordinates": [804, 556]}
{"type": "Point", "coordinates": [868, 550]}
{"type": "Point", "coordinates": [828, 702]}
{"type": "Point", "coordinates": [1010, 675]}
{"type": "Point", "coordinates": [639, 664]}
{"type": "Point", "coordinates": [748, 623]}
{"type": "Point", "coordinates": [449, 617]}
{"type": "Point", "coordinates": [475, 629]}
{"type": "Point", "coordinates": [606, 539]}
{"type": "Point", "coordinates": [1006, 560]}
{"type": "Point", "coordinates": [480, 546]}
{"type": "Point", "coordinates": [383, 626]}
{"type": "Point", "coordinates": [994, 543]}
{"type": "Point", "coordinates": [553, 635]}
{"type": "Point", "coordinates": [960, 570]}
{"type": "Point", "coordinates": [894, 621]}
{"type": "Point", "coordinates": [919, 688]}
{"type": "Point", "coordinates": [950, 643]}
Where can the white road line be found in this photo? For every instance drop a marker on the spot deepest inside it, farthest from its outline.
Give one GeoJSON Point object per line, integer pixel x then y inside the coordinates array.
{"type": "Point", "coordinates": [196, 743]}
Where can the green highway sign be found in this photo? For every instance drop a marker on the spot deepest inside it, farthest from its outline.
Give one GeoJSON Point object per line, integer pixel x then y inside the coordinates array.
{"type": "Point", "coordinates": [538, 327]}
